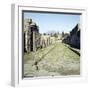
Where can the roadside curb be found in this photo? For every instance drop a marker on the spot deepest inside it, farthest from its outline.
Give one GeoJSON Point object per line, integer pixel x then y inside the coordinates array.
{"type": "Point", "coordinates": [77, 51]}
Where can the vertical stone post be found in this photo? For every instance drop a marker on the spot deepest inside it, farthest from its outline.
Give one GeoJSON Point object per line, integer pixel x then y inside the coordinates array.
{"type": "Point", "coordinates": [34, 42]}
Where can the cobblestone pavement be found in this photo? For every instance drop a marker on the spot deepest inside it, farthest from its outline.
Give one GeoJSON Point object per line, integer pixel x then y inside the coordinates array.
{"type": "Point", "coordinates": [55, 60]}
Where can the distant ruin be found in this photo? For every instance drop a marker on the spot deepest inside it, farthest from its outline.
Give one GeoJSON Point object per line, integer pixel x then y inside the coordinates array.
{"type": "Point", "coordinates": [33, 40]}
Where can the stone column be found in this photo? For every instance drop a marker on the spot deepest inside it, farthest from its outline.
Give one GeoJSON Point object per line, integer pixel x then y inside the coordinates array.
{"type": "Point", "coordinates": [34, 42]}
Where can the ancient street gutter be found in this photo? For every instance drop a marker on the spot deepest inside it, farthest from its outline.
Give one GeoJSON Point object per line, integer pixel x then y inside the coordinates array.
{"type": "Point", "coordinates": [77, 51]}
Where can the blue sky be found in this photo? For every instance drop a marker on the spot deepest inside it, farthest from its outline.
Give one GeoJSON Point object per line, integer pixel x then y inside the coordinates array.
{"type": "Point", "coordinates": [53, 22]}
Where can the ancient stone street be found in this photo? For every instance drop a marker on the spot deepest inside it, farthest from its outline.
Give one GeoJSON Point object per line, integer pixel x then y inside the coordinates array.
{"type": "Point", "coordinates": [56, 59]}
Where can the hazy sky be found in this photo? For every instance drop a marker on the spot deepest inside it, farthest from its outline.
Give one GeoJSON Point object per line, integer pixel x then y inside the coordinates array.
{"type": "Point", "coordinates": [53, 22]}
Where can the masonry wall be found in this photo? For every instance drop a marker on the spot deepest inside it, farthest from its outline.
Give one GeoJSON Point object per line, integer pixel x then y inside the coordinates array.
{"type": "Point", "coordinates": [73, 39]}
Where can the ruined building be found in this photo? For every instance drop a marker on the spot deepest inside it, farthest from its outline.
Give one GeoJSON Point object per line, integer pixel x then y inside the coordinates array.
{"type": "Point", "coordinates": [31, 36]}
{"type": "Point", "coordinates": [73, 39]}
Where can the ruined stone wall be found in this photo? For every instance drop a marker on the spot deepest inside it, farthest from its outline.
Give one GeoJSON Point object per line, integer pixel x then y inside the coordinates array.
{"type": "Point", "coordinates": [74, 38]}
{"type": "Point", "coordinates": [46, 40]}
{"type": "Point", "coordinates": [31, 36]}
{"type": "Point", "coordinates": [33, 40]}
{"type": "Point", "coordinates": [26, 36]}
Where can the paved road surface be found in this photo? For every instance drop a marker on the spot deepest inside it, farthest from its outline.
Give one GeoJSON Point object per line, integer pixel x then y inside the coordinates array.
{"type": "Point", "coordinates": [54, 60]}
